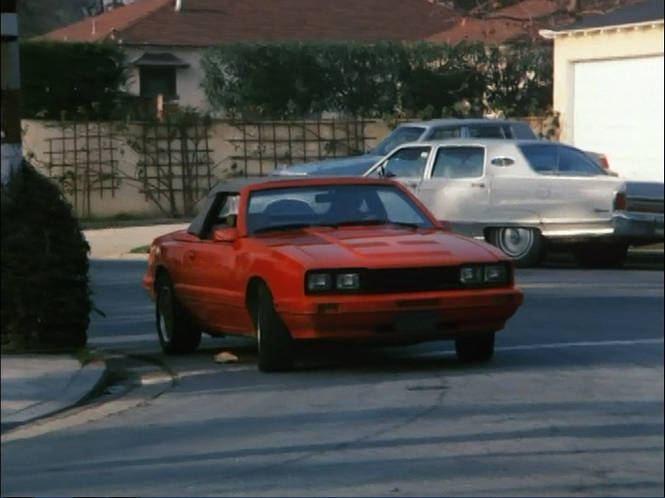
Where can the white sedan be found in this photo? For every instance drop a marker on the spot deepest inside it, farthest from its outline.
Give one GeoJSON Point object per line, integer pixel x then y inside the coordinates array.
{"type": "Point", "coordinates": [522, 195]}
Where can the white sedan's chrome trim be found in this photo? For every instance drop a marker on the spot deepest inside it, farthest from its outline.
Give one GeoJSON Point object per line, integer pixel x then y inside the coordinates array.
{"type": "Point", "coordinates": [591, 232]}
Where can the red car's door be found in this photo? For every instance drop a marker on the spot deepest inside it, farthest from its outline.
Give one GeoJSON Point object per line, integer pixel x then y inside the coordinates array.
{"type": "Point", "coordinates": [209, 286]}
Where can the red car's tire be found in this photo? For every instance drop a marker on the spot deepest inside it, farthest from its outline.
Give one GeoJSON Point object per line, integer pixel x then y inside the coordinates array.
{"type": "Point", "coordinates": [276, 347]}
{"type": "Point", "coordinates": [175, 329]}
{"type": "Point", "coordinates": [475, 349]}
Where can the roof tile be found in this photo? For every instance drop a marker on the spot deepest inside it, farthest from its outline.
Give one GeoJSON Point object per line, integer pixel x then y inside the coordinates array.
{"type": "Point", "coordinates": [212, 22]}
{"type": "Point", "coordinates": [517, 21]}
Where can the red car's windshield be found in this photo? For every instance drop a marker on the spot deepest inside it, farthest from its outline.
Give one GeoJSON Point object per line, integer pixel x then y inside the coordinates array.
{"type": "Point", "coordinates": [332, 205]}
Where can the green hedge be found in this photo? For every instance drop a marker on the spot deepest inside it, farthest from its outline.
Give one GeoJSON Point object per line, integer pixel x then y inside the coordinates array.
{"type": "Point", "coordinates": [294, 79]}
{"type": "Point", "coordinates": [78, 78]}
{"type": "Point", "coordinates": [45, 293]}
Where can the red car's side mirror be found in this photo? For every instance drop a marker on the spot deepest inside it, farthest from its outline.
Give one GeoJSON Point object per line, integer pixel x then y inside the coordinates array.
{"type": "Point", "coordinates": [225, 234]}
{"type": "Point", "coordinates": [445, 225]}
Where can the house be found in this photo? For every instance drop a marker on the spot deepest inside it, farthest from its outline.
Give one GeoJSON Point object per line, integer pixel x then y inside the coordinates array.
{"type": "Point", "coordinates": [608, 86]}
{"type": "Point", "coordinates": [520, 21]}
{"type": "Point", "coordinates": [165, 39]}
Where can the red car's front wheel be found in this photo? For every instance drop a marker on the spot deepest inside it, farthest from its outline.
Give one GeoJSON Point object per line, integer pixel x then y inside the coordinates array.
{"type": "Point", "coordinates": [276, 348]}
{"type": "Point", "coordinates": [177, 334]}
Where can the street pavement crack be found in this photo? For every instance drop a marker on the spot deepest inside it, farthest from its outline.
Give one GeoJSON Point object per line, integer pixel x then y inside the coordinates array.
{"type": "Point", "coordinates": [345, 445]}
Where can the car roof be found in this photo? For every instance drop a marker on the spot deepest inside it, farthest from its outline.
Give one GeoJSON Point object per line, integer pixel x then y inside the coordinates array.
{"type": "Point", "coordinates": [236, 185]}
{"type": "Point", "coordinates": [482, 141]}
{"type": "Point", "coordinates": [459, 122]}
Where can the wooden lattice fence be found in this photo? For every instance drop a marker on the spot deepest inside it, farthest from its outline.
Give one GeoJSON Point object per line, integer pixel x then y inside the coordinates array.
{"type": "Point", "coordinates": [82, 157]}
{"type": "Point", "coordinates": [175, 164]}
{"type": "Point", "coordinates": [264, 145]}
{"type": "Point", "coordinates": [166, 167]}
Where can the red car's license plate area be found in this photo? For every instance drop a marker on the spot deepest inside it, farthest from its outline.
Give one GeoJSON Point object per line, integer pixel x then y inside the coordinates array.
{"type": "Point", "coordinates": [415, 321]}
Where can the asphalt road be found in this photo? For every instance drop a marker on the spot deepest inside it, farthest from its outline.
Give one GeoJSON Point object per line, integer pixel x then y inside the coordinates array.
{"type": "Point", "coordinates": [571, 405]}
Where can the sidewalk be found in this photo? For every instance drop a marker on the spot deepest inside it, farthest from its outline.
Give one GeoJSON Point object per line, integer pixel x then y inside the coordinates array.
{"type": "Point", "coordinates": [107, 243]}
{"type": "Point", "coordinates": [34, 386]}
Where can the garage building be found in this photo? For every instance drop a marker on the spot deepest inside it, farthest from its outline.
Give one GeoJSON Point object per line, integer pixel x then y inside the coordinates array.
{"type": "Point", "coordinates": [608, 87]}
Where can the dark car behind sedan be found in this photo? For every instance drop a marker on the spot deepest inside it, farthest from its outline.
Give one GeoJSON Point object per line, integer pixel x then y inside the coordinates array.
{"type": "Point", "coordinates": [436, 129]}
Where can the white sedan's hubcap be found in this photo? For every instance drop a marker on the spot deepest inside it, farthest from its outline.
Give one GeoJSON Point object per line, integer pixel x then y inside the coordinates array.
{"type": "Point", "coordinates": [515, 242]}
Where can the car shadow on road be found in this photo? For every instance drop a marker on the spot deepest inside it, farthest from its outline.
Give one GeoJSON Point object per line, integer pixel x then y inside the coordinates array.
{"type": "Point", "coordinates": [343, 365]}
{"type": "Point", "coordinates": [636, 260]}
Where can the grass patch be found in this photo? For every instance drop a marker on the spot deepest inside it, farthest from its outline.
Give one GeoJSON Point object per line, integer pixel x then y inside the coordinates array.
{"type": "Point", "coordinates": [85, 355]}
{"type": "Point", "coordinates": [140, 250]}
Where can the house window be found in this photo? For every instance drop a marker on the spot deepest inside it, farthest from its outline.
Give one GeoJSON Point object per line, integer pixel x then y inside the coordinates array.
{"type": "Point", "coordinates": [156, 80]}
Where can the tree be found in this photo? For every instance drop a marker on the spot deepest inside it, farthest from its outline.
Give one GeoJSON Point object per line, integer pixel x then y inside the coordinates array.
{"type": "Point", "coordinates": [12, 153]}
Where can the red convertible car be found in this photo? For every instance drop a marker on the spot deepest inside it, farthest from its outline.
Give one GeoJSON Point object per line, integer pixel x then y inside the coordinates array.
{"type": "Point", "coordinates": [336, 259]}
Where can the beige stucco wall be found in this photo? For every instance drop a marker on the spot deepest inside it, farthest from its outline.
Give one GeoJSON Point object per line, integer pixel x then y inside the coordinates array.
{"type": "Point", "coordinates": [188, 80]}
{"type": "Point", "coordinates": [127, 199]}
{"type": "Point", "coordinates": [638, 41]}
{"type": "Point", "coordinates": [224, 143]}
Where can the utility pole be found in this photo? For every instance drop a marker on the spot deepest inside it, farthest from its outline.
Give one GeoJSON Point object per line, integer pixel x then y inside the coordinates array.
{"type": "Point", "coordinates": [12, 153]}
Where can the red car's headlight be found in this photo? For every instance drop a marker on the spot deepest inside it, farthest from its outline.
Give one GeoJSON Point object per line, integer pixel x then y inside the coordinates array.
{"type": "Point", "coordinates": [322, 281]}
{"type": "Point", "coordinates": [484, 274]}
{"type": "Point", "coordinates": [347, 281]}
{"type": "Point", "coordinates": [317, 282]}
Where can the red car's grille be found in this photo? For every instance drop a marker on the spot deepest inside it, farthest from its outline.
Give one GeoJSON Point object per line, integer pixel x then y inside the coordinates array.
{"type": "Point", "coordinates": [424, 279]}
{"type": "Point", "coordinates": [411, 279]}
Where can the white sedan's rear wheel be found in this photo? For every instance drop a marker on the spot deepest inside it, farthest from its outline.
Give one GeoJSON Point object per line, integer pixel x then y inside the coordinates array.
{"type": "Point", "coordinates": [524, 245]}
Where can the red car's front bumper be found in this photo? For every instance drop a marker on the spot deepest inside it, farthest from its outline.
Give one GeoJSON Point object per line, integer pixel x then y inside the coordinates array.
{"type": "Point", "coordinates": [399, 316]}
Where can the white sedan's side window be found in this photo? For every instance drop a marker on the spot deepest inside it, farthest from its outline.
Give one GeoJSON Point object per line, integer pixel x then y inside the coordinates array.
{"type": "Point", "coordinates": [459, 162]}
{"type": "Point", "coordinates": [542, 158]}
{"type": "Point", "coordinates": [407, 163]}
{"type": "Point", "coordinates": [549, 159]}
{"type": "Point", "coordinates": [575, 163]}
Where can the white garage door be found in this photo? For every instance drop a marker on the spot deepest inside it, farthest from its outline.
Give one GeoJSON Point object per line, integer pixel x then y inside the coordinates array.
{"type": "Point", "coordinates": [618, 110]}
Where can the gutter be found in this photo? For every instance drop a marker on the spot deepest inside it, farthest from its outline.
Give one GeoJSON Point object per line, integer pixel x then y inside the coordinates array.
{"type": "Point", "coordinates": [551, 34]}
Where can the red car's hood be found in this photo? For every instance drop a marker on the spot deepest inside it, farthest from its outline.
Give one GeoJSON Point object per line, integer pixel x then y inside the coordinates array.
{"type": "Point", "coordinates": [379, 246]}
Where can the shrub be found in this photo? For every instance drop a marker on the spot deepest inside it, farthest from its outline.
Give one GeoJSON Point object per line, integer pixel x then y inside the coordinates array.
{"type": "Point", "coordinates": [428, 80]}
{"type": "Point", "coordinates": [440, 80]}
{"type": "Point", "coordinates": [519, 79]}
{"type": "Point", "coordinates": [78, 78]}
{"type": "Point", "coordinates": [45, 293]}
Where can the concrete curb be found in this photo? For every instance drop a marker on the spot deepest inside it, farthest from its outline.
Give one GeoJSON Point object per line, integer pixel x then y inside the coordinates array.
{"type": "Point", "coordinates": [85, 382]}
{"type": "Point", "coordinates": [146, 387]}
